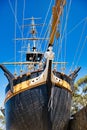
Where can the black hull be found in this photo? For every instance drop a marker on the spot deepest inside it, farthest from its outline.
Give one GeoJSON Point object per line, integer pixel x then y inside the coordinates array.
{"type": "Point", "coordinates": [36, 102]}
{"type": "Point", "coordinates": [29, 110]}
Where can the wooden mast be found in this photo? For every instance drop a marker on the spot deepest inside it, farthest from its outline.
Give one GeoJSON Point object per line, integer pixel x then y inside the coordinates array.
{"type": "Point", "coordinates": [56, 12]}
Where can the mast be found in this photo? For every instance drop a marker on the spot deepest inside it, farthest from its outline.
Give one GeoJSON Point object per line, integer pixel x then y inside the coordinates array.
{"type": "Point", "coordinates": [33, 32]}
{"type": "Point", "coordinates": [56, 12]}
{"type": "Point", "coordinates": [34, 55]}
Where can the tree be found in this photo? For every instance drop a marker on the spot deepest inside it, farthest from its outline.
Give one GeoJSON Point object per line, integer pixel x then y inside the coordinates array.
{"type": "Point", "coordinates": [2, 122]}
{"type": "Point", "coordinates": [79, 99]}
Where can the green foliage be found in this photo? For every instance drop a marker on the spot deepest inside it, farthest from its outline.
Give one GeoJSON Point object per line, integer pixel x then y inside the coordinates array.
{"type": "Point", "coordinates": [1, 117]}
{"type": "Point", "coordinates": [79, 99]}
{"type": "Point", "coordinates": [85, 89]}
{"type": "Point", "coordinates": [82, 81]}
{"type": "Point", "coordinates": [2, 122]}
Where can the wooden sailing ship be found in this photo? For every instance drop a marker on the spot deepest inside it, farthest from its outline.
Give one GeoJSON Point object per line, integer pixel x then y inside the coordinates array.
{"type": "Point", "coordinates": [39, 99]}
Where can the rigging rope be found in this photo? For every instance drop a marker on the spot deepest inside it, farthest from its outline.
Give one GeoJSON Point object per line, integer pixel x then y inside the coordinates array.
{"type": "Point", "coordinates": [65, 42]}
{"type": "Point", "coordinates": [44, 23]}
{"type": "Point", "coordinates": [60, 48]}
{"type": "Point", "coordinates": [16, 22]}
{"type": "Point", "coordinates": [62, 65]}
{"type": "Point", "coordinates": [47, 33]}
{"type": "Point", "coordinates": [81, 51]}
{"type": "Point", "coordinates": [76, 25]}
{"type": "Point", "coordinates": [60, 44]}
{"type": "Point", "coordinates": [50, 103]}
{"type": "Point", "coordinates": [77, 50]}
{"type": "Point", "coordinates": [68, 11]}
{"type": "Point", "coordinates": [15, 37]}
{"type": "Point", "coordinates": [46, 17]}
{"type": "Point", "coordinates": [22, 31]}
{"type": "Point", "coordinates": [15, 16]}
{"type": "Point", "coordinates": [55, 49]}
{"type": "Point", "coordinates": [64, 30]}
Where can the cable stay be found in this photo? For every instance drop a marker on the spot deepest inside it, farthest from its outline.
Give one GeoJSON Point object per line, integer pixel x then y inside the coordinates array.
{"type": "Point", "coordinates": [15, 47]}
{"type": "Point", "coordinates": [77, 50]}
{"type": "Point", "coordinates": [77, 25]}
{"type": "Point", "coordinates": [64, 35]}
{"type": "Point", "coordinates": [85, 40]}
{"type": "Point", "coordinates": [15, 16]}
{"type": "Point", "coordinates": [66, 20]}
{"type": "Point", "coordinates": [45, 23]}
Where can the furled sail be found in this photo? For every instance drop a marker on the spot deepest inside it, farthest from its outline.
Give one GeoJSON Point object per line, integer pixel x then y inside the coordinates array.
{"type": "Point", "coordinates": [56, 12]}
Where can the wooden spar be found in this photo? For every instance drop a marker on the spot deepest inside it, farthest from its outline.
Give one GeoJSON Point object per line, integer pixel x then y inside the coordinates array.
{"type": "Point", "coordinates": [33, 38]}
{"type": "Point", "coordinates": [25, 25]}
{"type": "Point", "coordinates": [32, 18]}
{"type": "Point", "coordinates": [26, 63]}
{"type": "Point", "coordinates": [57, 10]}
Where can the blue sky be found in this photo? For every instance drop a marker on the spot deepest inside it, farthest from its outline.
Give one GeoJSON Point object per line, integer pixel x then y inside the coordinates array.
{"type": "Point", "coordinates": [76, 32]}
